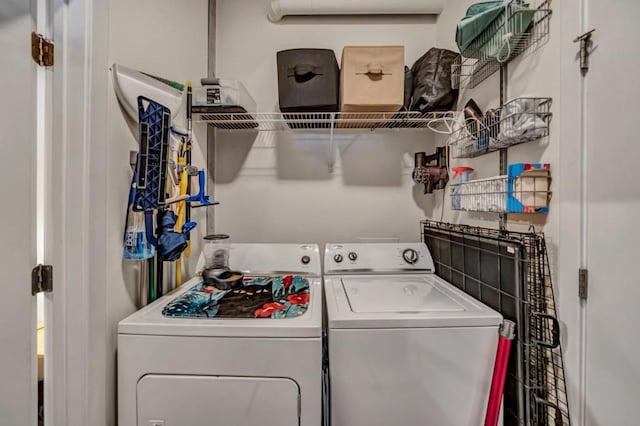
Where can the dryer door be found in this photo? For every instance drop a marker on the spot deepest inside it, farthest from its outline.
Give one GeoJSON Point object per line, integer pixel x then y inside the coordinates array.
{"type": "Point", "coordinates": [165, 400]}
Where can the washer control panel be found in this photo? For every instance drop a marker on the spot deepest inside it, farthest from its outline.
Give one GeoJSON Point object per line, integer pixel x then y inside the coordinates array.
{"type": "Point", "coordinates": [379, 257]}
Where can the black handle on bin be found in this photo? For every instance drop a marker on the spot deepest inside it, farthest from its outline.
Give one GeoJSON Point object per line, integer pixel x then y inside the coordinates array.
{"type": "Point", "coordinates": [301, 70]}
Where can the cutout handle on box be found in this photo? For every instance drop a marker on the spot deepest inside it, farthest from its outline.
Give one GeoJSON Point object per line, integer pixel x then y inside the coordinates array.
{"type": "Point", "coordinates": [373, 70]}
{"type": "Point", "coordinates": [302, 70]}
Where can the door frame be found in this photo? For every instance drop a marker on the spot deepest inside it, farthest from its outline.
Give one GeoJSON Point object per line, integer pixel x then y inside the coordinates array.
{"type": "Point", "coordinates": [76, 316]}
{"type": "Point", "coordinates": [572, 205]}
{"type": "Point", "coordinates": [76, 311]}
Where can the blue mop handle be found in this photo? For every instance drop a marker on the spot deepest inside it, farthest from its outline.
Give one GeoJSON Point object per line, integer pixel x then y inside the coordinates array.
{"type": "Point", "coordinates": [201, 182]}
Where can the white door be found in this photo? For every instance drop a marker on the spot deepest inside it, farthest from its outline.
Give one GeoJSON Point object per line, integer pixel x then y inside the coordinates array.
{"type": "Point", "coordinates": [18, 393]}
{"type": "Point", "coordinates": [613, 214]}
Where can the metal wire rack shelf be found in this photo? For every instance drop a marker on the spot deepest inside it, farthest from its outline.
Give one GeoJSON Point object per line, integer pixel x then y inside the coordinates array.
{"type": "Point", "coordinates": [502, 194]}
{"type": "Point", "coordinates": [276, 121]}
{"type": "Point", "coordinates": [520, 120]}
{"type": "Point", "coordinates": [330, 122]}
{"type": "Point", "coordinates": [523, 26]}
{"type": "Point", "coordinates": [510, 272]}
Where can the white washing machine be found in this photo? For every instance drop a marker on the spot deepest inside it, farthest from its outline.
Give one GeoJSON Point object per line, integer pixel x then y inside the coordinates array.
{"type": "Point", "coordinates": [265, 369]}
{"type": "Point", "coordinates": [406, 348]}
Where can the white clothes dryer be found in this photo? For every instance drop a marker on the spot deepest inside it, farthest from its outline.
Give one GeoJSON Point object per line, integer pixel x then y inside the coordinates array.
{"type": "Point", "coordinates": [206, 367]}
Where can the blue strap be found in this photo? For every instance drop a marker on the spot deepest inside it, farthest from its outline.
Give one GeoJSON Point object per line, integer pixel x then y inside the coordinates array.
{"type": "Point", "coordinates": [148, 225]}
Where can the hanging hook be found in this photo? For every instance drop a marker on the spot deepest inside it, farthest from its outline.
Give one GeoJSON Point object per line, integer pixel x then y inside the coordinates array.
{"type": "Point", "coordinates": [585, 44]}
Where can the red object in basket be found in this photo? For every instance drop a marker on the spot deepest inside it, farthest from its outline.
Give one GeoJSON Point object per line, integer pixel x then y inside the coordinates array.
{"type": "Point", "coordinates": [507, 333]}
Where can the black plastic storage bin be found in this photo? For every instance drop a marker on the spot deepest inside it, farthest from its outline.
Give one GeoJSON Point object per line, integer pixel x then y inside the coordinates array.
{"type": "Point", "coordinates": [308, 80]}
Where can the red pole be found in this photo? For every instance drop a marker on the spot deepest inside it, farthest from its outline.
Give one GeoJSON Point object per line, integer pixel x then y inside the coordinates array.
{"type": "Point", "coordinates": [507, 334]}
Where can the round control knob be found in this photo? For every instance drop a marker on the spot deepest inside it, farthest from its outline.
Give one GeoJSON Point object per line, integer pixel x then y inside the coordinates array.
{"type": "Point", "coordinates": [305, 260]}
{"type": "Point", "coordinates": [353, 256]}
{"type": "Point", "coordinates": [337, 258]}
{"type": "Point", "coordinates": [410, 256]}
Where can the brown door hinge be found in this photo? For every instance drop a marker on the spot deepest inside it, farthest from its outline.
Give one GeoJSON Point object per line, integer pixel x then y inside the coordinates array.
{"type": "Point", "coordinates": [42, 279]}
{"type": "Point", "coordinates": [41, 50]}
{"type": "Point", "coordinates": [583, 284]}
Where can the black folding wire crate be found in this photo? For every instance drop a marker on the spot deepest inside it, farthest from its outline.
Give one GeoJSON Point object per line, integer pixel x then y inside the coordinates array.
{"type": "Point", "coordinates": [510, 272]}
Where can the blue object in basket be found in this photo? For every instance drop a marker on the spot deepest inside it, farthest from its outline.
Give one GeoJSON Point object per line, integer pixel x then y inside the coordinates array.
{"type": "Point", "coordinates": [482, 143]}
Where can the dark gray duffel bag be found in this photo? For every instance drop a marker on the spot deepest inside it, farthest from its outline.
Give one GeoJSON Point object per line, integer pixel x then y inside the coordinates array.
{"type": "Point", "coordinates": [432, 85]}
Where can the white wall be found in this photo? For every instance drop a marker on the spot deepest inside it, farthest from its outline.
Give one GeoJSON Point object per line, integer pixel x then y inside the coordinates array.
{"type": "Point", "coordinates": [278, 188]}
{"type": "Point", "coordinates": [164, 38]}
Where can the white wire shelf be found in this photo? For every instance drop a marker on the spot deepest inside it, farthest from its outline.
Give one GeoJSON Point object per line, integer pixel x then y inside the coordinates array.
{"type": "Point", "coordinates": [520, 120]}
{"type": "Point", "coordinates": [329, 122]}
{"type": "Point", "coordinates": [524, 26]}
{"type": "Point", "coordinates": [439, 122]}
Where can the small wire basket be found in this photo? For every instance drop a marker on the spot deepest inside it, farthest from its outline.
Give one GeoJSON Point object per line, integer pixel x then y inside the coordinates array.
{"type": "Point", "coordinates": [481, 195]}
{"type": "Point", "coordinates": [503, 194]}
{"type": "Point", "coordinates": [520, 120]}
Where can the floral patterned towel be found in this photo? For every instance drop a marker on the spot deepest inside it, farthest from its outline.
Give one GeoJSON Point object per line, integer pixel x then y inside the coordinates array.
{"type": "Point", "coordinates": [259, 297]}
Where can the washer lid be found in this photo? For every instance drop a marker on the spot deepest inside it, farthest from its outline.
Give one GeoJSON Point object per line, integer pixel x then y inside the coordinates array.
{"type": "Point", "coordinates": [402, 301]}
{"type": "Point", "coordinates": [150, 320]}
{"type": "Point", "coordinates": [402, 294]}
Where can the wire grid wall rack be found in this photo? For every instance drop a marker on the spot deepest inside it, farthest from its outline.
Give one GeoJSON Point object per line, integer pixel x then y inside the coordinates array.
{"type": "Point", "coordinates": [520, 120]}
{"type": "Point", "coordinates": [502, 194]}
{"type": "Point", "coordinates": [510, 272]}
{"type": "Point", "coordinates": [523, 26]}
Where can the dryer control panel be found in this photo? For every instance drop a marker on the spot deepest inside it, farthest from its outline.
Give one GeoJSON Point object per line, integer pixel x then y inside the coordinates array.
{"type": "Point", "coordinates": [266, 259]}
{"type": "Point", "coordinates": [377, 258]}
